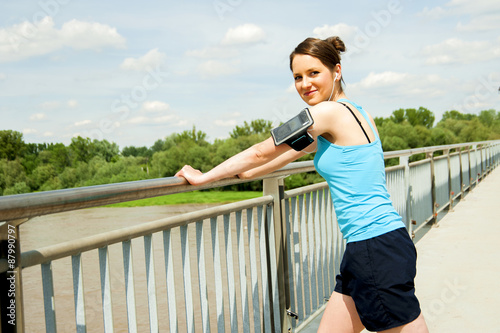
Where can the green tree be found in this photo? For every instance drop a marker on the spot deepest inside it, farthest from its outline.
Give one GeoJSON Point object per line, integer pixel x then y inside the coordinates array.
{"type": "Point", "coordinates": [11, 173]}
{"type": "Point", "coordinates": [415, 117]}
{"type": "Point", "coordinates": [40, 175]}
{"type": "Point", "coordinates": [258, 126]}
{"type": "Point", "coordinates": [81, 149]}
{"type": "Point", "coordinates": [11, 144]}
{"type": "Point", "coordinates": [198, 137]}
{"type": "Point", "coordinates": [105, 149]}
{"type": "Point", "coordinates": [137, 151]}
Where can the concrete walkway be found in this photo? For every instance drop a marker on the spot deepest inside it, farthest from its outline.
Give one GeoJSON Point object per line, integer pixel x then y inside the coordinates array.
{"type": "Point", "coordinates": [458, 267]}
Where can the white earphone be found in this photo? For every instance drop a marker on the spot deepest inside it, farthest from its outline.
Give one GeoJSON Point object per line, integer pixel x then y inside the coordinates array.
{"type": "Point", "coordinates": [333, 88]}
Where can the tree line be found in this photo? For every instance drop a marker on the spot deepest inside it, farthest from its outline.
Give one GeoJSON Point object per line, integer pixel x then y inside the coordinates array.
{"type": "Point", "coordinates": [31, 167]}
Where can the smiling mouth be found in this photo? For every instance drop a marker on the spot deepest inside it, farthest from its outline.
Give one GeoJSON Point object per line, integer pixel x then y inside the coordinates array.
{"type": "Point", "coordinates": [309, 93]}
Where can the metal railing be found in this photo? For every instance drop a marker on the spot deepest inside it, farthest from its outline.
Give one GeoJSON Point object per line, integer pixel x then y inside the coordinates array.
{"type": "Point", "coordinates": [261, 265]}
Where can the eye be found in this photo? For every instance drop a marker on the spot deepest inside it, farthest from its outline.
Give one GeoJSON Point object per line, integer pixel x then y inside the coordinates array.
{"type": "Point", "coordinates": [297, 77]}
{"type": "Point", "coordinates": [314, 73]}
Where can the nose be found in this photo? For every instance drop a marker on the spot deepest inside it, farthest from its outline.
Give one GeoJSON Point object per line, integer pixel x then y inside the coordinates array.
{"type": "Point", "coordinates": [305, 83]}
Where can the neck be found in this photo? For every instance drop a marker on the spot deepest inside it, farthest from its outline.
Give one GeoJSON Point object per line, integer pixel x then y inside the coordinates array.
{"type": "Point", "coordinates": [337, 95]}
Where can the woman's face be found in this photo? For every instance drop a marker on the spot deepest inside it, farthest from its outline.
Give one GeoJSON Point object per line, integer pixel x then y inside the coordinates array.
{"type": "Point", "coordinates": [313, 80]}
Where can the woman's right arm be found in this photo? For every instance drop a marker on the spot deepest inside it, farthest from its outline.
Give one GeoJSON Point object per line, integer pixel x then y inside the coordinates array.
{"type": "Point", "coordinates": [276, 164]}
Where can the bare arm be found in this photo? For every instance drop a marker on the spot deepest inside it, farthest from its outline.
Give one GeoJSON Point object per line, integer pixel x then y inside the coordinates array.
{"type": "Point", "coordinates": [251, 158]}
{"type": "Point", "coordinates": [279, 162]}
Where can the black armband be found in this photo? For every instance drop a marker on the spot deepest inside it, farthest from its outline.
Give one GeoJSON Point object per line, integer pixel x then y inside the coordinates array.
{"type": "Point", "coordinates": [294, 131]}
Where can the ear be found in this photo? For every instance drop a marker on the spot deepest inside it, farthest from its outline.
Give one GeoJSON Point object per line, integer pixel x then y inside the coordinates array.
{"type": "Point", "coordinates": [338, 72]}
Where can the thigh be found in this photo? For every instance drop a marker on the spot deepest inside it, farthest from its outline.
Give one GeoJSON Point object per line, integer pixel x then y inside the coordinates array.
{"type": "Point", "coordinates": [340, 315]}
{"type": "Point", "coordinates": [416, 326]}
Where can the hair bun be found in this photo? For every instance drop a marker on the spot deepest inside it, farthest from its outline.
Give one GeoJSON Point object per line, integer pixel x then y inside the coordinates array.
{"type": "Point", "coordinates": [337, 43]}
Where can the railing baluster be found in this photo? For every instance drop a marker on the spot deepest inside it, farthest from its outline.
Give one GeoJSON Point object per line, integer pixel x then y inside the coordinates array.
{"type": "Point", "coordinates": [169, 271]}
{"type": "Point", "coordinates": [129, 285]}
{"type": "Point", "coordinates": [317, 233]}
{"type": "Point", "coordinates": [76, 263]}
{"type": "Point", "coordinates": [305, 254]}
{"type": "Point", "coordinates": [290, 257]}
{"type": "Point", "coordinates": [312, 260]}
{"type": "Point", "coordinates": [188, 293]}
{"type": "Point", "coordinates": [218, 275]}
{"type": "Point", "coordinates": [324, 255]}
{"type": "Point", "coordinates": [273, 267]}
{"type": "Point", "coordinates": [230, 274]}
{"type": "Point", "coordinates": [263, 269]}
{"type": "Point", "coordinates": [107, 311]}
{"type": "Point", "coordinates": [48, 297]}
{"type": "Point", "coordinates": [151, 284]}
{"type": "Point", "coordinates": [296, 253]}
{"type": "Point", "coordinates": [243, 276]}
{"type": "Point", "coordinates": [330, 242]}
{"type": "Point", "coordinates": [253, 271]}
{"type": "Point", "coordinates": [202, 278]}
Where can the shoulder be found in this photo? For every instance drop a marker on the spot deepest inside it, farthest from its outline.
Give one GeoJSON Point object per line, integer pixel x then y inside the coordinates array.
{"type": "Point", "coordinates": [326, 116]}
{"type": "Point", "coordinates": [326, 111]}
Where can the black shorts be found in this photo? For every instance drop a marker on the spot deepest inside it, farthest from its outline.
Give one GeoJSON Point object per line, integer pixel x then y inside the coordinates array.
{"type": "Point", "coordinates": [378, 274]}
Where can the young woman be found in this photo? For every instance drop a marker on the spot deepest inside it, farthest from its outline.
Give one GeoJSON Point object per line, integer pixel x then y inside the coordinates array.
{"type": "Point", "coordinates": [375, 288]}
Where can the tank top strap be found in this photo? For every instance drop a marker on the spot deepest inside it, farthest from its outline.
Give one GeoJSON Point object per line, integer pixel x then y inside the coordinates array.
{"type": "Point", "coordinates": [363, 113]}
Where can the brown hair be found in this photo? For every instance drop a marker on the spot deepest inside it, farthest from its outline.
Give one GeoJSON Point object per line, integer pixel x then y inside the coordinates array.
{"type": "Point", "coordinates": [326, 50]}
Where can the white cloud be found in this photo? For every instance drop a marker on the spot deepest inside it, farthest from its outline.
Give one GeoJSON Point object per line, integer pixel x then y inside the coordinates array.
{"type": "Point", "coordinates": [480, 23]}
{"type": "Point", "coordinates": [153, 113]}
{"type": "Point", "coordinates": [82, 123]}
{"type": "Point", "coordinates": [29, 131]}
{"type": "Point", "coordinates": [72, 103]}
{"type": "Point", "coordinates": [151, 59]}
{"type": "Point", "coordinates": [384, 79]}
{"type": "Point", "coordinates": [50, 105]}
{"type": "Point", "coordinates": [213, 52]}
{"type": "Point", "coordinates": [347, 32]}
{"type": "Point", "coordinates": [212, 68]}
{"type": "Point", "coordinates": [484, 14]}
{"type": "Point", "coordinates": [433, 13]}
{"type": "Point", "coordinates": [455, 50]}
{"type": "Point", "coordinates": [244, 34]}
{"type": "Point", "coordinates": [226, 123]}
{"type": "Point", "coordinates": [400, 84]}
{"type": "Point", "coordinates": [48, 134]}
{"type": "Point", "coordinates": [25, 40]}
{"type": "Point", "coordinates": [155, 106]}
{"type": "Point", "coordinates": [38, 116]}
{"type": "Point", "coordinates": [144, 120]}
{"type": "Point", "coordinates": [2, 76]}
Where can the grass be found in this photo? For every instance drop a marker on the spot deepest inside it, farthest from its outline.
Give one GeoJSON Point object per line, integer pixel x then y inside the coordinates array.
{"type": "Point", "coordinates": [196, 197]}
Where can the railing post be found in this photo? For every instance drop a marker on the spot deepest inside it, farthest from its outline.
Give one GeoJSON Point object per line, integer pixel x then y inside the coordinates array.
{"type": "Point", "coordinates": [450, 187]}
{"type": "Point", "coordinates": [461, 174]}
{"type": "Point", "coordinates": [404, 160]}
{"type": "Point", "coordinates": [275, 188]}
{"type": "Point", "coordinates": [433, 187]}
{"type": "Point", "coordinates": [11, 297]}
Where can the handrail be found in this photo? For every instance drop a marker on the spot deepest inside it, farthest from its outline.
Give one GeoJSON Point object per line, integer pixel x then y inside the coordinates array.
{"type": "Point", "coordinates": [21, 206]}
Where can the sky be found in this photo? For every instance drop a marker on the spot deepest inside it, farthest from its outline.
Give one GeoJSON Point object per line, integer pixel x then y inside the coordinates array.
{"type": "Point", "coordinates": [133, 72]}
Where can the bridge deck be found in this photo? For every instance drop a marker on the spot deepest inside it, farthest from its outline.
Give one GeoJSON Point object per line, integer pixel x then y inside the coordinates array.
{"type": "Point", "coordinates": [458, 268]}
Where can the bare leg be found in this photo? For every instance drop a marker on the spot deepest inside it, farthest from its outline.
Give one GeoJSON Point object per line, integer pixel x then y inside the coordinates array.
{"type": "Point", "coordinates": [340, 316]}
{"type": "Point", "coordinates": [416, 326]}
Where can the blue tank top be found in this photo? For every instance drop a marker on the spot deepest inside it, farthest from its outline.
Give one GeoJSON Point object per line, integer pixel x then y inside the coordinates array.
{"type": "Point", "coordinates": [356, 177]}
